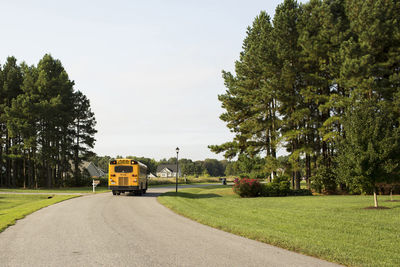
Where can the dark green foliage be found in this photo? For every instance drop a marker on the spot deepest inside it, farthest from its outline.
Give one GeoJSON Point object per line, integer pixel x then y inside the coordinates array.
{"type": "Point", "coordinates": [45, 125]}
{"type": "Point", "coordinates": [214, 167]}
{"type": "Point", "coordinates": [282, 189]}
{"type": "Point", "coordinates": [324, 180]}
{"type": "Point", "coordinates": [275, 189]}
{"type": "Point", "coordinates": [370, 152]}
{"type": "Point", "coordinates": [82, 131]}
{"type": "Point", "coordinates": [245, 187]}
{"type": "Point", "coordinates": [296, 78]}
{"type": "Point", "coordinates": [250, 106]}
{"type": "Point", "coordinates": [247, 167]}
{"type": "Point", "coordinates": [210, 167]}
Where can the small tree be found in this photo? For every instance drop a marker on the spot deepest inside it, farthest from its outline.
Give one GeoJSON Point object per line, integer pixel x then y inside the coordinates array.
{"type": "Point", "coordinates": [370, 152]}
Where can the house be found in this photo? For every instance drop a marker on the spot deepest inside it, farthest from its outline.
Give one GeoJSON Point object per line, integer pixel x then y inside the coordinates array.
{"type": "Point", "coordinates": [92, 170]}
{"type": "Point", "coordinates": [151, 175]}
{"type": "Point", "coordinates": [167, 171]}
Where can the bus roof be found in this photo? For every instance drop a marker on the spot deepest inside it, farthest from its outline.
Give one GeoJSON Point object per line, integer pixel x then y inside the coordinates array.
{"type": "Point", "coordinates": [127, 161]}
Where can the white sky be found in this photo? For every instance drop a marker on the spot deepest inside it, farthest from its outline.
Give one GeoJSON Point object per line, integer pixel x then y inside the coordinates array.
{"type": "Point", "coordinates": [151, 69]}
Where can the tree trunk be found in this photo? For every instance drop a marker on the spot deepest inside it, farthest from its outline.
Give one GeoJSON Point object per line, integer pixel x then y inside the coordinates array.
{"type": "Point", "coordinates": [1, 165]}
{"type": "Point", "coordinates": [48, 176]}
{"type": "Point", "coordinates": [391, 194]}
{"type": "Point", "coordinates": [77, 171]}
{"type": "Point", "coordinates": [14, 177]}
{"type": "Point", "coordinates": [308, 170]}
{"type": "Point", "coordinates": [8, 162]}
{"type": "Point", "coordinates": [34, 174]}
{"type": "Point", "coordinates": [375, 198]}
{"type": "Point", "coordinates": [298, 180]}
{"type": "Point", "coordinates": [293, 177]}
{"type": "Point", "coordinates": [24, 171]}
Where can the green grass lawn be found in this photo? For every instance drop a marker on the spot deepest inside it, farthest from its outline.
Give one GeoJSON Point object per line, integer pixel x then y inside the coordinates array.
{"type": "Point", "coordinates": [99, 189]}
{"type": "Point", "coordinates": [335, 228]}
{"type": "Point", "coordinates": [172, 181]}
{"type": "Point", "coordinates": [16, 206]}
{"type": "Point", "coordinates": [181, 184]}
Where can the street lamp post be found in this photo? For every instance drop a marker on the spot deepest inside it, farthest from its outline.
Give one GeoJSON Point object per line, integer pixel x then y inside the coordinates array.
{"type": "Point", "coordinates": [177, 169]}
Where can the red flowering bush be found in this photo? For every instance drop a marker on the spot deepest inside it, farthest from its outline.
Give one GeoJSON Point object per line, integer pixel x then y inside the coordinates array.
{"type": "Point", "coordinates": [246, 187]}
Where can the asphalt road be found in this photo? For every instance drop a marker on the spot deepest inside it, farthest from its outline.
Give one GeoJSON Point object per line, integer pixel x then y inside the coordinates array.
{"type": "Point", "coordinates": [107, 230]}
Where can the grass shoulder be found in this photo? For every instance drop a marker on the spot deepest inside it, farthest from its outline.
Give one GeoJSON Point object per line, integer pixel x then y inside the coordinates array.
{"type": "Point", "coordinates": [182, 184]}
{"type": "Point", "coordinates": [16, 206]}
{"type": "Point", "coordinates": [336, 228]}
{"type": "Point", "coordinates": [83, 190]}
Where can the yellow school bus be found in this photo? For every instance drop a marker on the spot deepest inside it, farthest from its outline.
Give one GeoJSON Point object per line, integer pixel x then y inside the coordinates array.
{"type": "Point", "coordinates": [127, 175]}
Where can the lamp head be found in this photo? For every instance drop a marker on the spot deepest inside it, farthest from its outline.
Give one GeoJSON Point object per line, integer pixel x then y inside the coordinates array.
{"type": "Point", "coordinates": [177, 150]}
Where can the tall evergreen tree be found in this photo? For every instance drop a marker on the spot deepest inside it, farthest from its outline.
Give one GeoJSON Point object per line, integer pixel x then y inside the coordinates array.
{"type": "Point", "coordinates": [250, 103]}
{"type": "Point", "coordinates": [289, 82]}
{"type": "Point", "coordinates": [56, 94]}
{"type": "Point", "coordinates": [11, 87]}
{"type": "Point", "coordinates": [371, 57]}
{"type": "Point", "coordinates": [83, 131]}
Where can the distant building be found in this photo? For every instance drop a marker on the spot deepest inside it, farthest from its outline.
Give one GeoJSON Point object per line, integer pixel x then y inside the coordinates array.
{"type": "Point", "coordinates": [93, 170]}
{"type": "Point", "coordinates": [151, 175]}
{"type": "Point", "coordinates": [167, 171]}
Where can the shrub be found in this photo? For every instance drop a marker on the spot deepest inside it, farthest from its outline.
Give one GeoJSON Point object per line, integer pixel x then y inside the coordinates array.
{"type": "Point", "coordinates": [257, 175]}
{"type": "Point", "coordinates": [270, 190]}
{"type": "Point", "coordinates": [281, 178]}
{"type": "Point", "coordinates": [301, 192]}
{"type": "Point", "coordinates": [252, 188]}
{"type": "Point", "coordinates": [324, 180]}
{"type": "Point", "coordinates": [276, 189]}
{"type": "Point", "coordinates": [247, 187]}
{"type": "Point", "coordinates": [284, 187]}
{"type": "Point", "coordinates": [281, 189]}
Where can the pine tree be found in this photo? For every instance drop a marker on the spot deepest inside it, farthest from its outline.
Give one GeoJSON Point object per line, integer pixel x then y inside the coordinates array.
{"type": "Point", "coordinates": [83, 130]}
{"type": "Point", "coordinates": [289, 82]}
{"type": "Point", "coordinates": [371, 57]}
{"type": "Point", "coordinates": [251, 108]}
{"type": "Point", "coordinates": [11, 87]}
{"type": "Point", "coordinates": [55, 92]}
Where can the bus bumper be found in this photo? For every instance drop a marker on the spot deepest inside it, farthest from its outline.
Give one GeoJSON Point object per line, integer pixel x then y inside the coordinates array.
{"type": "Point", "coordinates": [123, 188]}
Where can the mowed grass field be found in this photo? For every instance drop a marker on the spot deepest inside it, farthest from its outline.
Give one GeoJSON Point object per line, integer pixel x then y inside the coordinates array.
{"type": "Point", "coordinates": [17, 206]}
{"type": "Point", "coordinates": [83, 190]}
{"type": "Point", "coordinates": [336, 228]}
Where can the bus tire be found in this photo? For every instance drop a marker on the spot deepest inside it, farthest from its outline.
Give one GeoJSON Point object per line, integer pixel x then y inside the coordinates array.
{"type": "Point", "coordinates": [114, 193]}
{"type": "Point", "coordinates": [144, 191]}
{"type": "Point", "coordinates": [139, 192]}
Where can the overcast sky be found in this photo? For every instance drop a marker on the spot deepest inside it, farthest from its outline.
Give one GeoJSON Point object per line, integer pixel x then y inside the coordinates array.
{"type": "Point", "coordinates": [151, 69]}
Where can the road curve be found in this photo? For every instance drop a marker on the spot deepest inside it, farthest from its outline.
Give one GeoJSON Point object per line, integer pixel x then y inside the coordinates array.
{"type": "Point", "coordinates": [106, 230]}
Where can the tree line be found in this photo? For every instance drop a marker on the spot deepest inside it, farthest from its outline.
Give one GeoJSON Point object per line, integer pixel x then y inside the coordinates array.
{"type": "Point", "coordinates": [47, 127]}
{"type": "Point", "coordinates": [320, 79]}
{"type": "Point", "coordinates": [188, 167]}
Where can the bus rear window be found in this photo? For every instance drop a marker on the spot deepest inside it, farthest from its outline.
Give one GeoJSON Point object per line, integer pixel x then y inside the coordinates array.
{"type": "Point", "coordinates": [123, 169]}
